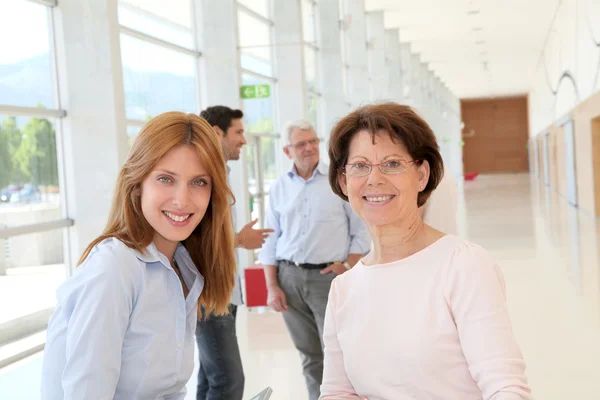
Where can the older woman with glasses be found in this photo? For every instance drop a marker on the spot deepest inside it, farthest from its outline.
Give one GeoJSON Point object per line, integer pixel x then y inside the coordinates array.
{"type": "Point", "coordinates": [423, 315]}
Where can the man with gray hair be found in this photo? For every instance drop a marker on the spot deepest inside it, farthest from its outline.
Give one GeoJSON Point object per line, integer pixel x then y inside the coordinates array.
{"type": "Point", "coordinates": [316, 237]}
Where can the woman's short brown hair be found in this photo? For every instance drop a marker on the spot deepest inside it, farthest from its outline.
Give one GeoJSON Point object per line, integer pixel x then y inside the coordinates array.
{"type": "Point", "coordinates": [403, 124]}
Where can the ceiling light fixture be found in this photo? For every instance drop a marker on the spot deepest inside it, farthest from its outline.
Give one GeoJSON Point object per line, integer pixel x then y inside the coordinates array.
{"type": "Point", "coordinates": [473, 12]}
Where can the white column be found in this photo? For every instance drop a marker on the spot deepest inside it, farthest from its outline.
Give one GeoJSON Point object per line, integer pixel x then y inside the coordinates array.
{"type": "Point", "coordinates": [415, 81]}
{"type": "Point", "coordinates": [220, 82]}
{"type": "Point", "coordinates": [393, 56]}
{"type": "Point", "coordinates": [289, 63]}
{"type": "Point", "coordinates": [289, 58]}
{"type": "Point", "coordinates": [217, 38]}
{"type": "Point", "coordinates": [426, 94]}
{"type": "Point", "coordinates": [91, 90]}
{"type": "Point", "coordinates": [376, 54]}
{"type": "Point", "coordinates": [334, 103]}
{"type": "Point", "coordinates": [356, 38]}
{"type": "Point", "coordinates": [406, 72]}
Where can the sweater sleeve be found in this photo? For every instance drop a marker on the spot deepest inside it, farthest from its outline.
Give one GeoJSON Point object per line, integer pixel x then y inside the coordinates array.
{"type": "Point", "coordinates": [336, 384]}
{"type": "Point", "coordinates": [476, 295]}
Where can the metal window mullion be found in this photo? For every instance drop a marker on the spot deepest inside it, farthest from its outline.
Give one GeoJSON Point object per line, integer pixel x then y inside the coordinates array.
{"type": "Point", "coordinates": [264, 134]}
{"type": "Point", "coordinates": [35, 228]}
{"type": "Point", "coordinates": [48, 3]}
{"type": "Point", "coordinates": [197, 60]}
{"type": "Point", "coordinates": [159, 42]}
{"type": "Point", "coordinates": [135, 122]}
{"type": "Point", "coordinates": [32, 111]}
{"type": "Point", "coordinates": [259, 75]}
{"type": "Point", "coordinates": [312, 46]}
{"type": "Point", "coordinates": [254, 14]}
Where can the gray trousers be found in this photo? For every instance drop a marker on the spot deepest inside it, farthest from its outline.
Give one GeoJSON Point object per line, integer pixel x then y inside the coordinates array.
{"type": "Point", "coordinates": [306, 293]}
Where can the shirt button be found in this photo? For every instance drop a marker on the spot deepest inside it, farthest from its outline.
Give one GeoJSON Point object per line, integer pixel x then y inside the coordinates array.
{"type": "Point", "coordinates": [179, 345]}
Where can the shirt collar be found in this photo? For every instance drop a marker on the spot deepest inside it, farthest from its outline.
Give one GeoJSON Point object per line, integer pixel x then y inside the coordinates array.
{"type": "Point", "coordinates": [151, 254]}
{"type": "Point", "coordinates": [321, 169]}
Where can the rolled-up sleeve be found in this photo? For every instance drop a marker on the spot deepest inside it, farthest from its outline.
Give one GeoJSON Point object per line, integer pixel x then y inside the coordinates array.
{"type": "Point", "coordinates": [268, 252]}
{"type": "Point", "coordinates": [360, 242]}
{"type": "Point", "coordinates": [96, 306]}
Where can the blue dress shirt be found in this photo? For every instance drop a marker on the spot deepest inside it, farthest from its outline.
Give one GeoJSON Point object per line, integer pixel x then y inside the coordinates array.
{"type": "Point", "coordinates": [312, 224]}
{"type": "Point", "coordinates": [122, 328]}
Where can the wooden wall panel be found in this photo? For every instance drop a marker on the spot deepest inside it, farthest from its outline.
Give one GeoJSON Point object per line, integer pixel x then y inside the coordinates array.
{"type": "Point", "coordinates": [587, 154]}
{"type": "Point", "coordinates": [500, 133]}
{"type": "Point", "coordinates": [596, 162]}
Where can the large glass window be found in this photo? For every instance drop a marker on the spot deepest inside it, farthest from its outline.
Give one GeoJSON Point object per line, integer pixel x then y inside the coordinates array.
{"type": "Point", "coordinates": [33, 263]}
{"type": "Point", "coordinates": [311, 61]}
{"type": "Point", "coordinates": [255, 31]}
{"type": "Point", "coordinates": [26, 66]}
{"type": "Point", "coordinates": [309, 21]}
{"type": "Point", "coordinates": [310, 67]}
{"type": "Point", "coordinates": [156, 79]}
{"type": "Point", "coordinates": [259, 113]}
{"type": "Point", "coordinates": [261, 7]}
{"type": "Point", "coordinates": [29, 187]}
{"type": "Point", "coordinates": [32, 252]}
{"type": "Point", "coordinates": [160, 60]}
{"type": "Point", "coordinates": [255, 43]}
{"type": "Point", "coordinates": [172, 23]}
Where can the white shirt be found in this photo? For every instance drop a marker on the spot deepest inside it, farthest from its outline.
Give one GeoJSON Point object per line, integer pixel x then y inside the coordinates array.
{"type": "Point", "coordinates": [122, 328]}
{"type": "Point", "coordinates": [236, 295]}
{"type": "Point", "coordinates": [441, 208]}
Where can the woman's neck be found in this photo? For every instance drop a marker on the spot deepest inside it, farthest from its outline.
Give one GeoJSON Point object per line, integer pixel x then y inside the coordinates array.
{"type": "Point", "coordinates": [165, 247]}
{"type": "Point", "coordinates": [399, 240]}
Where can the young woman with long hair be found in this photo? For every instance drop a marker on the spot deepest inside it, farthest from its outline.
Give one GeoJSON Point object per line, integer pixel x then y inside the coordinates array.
{"type": "Point", "coordinates": [124, 322]}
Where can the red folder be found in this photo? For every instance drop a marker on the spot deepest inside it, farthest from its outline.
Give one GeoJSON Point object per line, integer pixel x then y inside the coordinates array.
{"type": "Point", "coordinates": [256, 286]}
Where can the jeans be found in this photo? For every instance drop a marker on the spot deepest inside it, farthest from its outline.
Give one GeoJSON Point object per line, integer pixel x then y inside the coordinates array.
{"type": "Point", "coordinates": [221, 376]}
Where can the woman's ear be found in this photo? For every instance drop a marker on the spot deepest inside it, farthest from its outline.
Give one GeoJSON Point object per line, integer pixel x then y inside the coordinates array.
{"type": "Point", "coordinates": [423, 171]}
{"type": "Point", "coordinates": [343, 184]}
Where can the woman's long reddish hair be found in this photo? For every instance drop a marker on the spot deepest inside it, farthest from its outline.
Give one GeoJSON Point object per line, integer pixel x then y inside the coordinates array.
{"type": "Point", "coordinates": [211, 245]}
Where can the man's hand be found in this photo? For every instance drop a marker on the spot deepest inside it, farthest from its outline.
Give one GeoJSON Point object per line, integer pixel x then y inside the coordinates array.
{"type": "Point", "coordinates": [276, 299]}
{"type": "Point", "coordinates": [340, 268]}
{"type": "Point", "coordinates": [250, 238]}
{"type": "Point", "coordinates": [337, 268]}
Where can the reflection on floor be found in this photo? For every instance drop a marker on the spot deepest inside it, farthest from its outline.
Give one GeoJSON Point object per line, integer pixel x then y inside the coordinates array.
{"type": "Point", "coordinates": [550, 256]}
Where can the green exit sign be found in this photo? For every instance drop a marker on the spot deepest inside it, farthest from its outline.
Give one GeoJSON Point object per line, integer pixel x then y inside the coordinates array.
{"type": "Point", "coordinates": [255, 91]}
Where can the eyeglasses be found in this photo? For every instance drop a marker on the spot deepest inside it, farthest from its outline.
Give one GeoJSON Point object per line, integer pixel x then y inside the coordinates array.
{"type": "Point", "coordinates": [391, 167]}
{"type": "Point", "coordinates": [301, 145]}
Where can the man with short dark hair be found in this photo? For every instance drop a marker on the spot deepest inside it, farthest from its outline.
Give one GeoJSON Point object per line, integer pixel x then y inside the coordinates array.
{"type": "Point", "coordinates": [221, 375]}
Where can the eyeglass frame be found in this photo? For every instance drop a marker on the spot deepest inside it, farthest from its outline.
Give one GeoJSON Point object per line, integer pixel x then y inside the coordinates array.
{"type": "Point", "coordinates": [304, 143]}
{"type": "Point", "coordinates": [413, 162]}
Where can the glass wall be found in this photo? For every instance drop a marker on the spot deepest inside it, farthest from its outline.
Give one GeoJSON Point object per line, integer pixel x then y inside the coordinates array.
{"type": "Point", "coordinates": [160, 60]}
{"type": "Point", "coordinates": [311, 62]}
{"type": "Point", "coordinates": [32, 207]}
{"type": "Point", "coordinates": [256, 51]}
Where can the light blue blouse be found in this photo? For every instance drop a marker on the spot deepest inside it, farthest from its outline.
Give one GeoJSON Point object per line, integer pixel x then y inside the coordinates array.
{"type": "Point", "coordinates": [122, 328]}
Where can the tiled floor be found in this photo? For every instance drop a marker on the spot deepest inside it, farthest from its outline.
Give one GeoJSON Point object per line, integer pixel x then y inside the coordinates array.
{"type": "Point", "coordinates": [550, 256]}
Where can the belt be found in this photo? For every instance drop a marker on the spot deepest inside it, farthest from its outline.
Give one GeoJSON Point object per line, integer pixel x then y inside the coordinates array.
{"type": "Point", "coordinates": [306, 265]}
